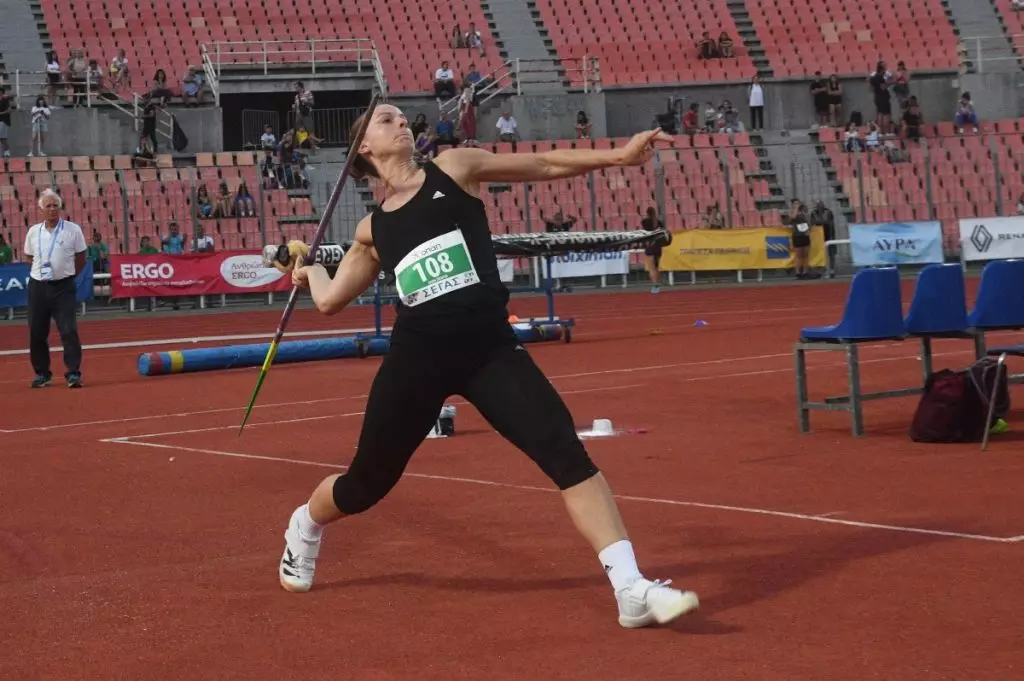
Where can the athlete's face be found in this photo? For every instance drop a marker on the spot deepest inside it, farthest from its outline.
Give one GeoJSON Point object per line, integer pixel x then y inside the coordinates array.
{"type": "Point", "coordinates": [387, 133]}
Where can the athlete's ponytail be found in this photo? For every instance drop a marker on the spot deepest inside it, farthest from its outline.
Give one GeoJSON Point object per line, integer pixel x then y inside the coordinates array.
{"type": "Point", "coordinates": [361, 166]}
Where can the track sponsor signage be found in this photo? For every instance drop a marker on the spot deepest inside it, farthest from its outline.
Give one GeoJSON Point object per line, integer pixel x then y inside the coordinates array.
{"type": "Point", "coordinates": [14, 284]}
{"type": "Point", "coordinates": [194, 274]}
{"type": "Point", "coordinates": [896, 243]}
{"type": "Point", "coordinates": [992, 238]}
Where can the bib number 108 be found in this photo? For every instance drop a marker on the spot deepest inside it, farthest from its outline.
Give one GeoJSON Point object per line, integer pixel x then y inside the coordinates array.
{"type": "Point", "coordinates": [432, 267]}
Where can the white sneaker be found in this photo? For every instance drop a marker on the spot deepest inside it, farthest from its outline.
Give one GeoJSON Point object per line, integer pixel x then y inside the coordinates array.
{"type": "Point", "coordinates": [299, 560]}
{"type": "Point", "coordinates": [646, 602]}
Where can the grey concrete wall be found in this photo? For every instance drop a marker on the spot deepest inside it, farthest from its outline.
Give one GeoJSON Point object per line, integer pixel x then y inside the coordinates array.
{"type": "Point", "coordinates": [544, 117]}
{"type": "Point", "coordinates": [996, 95]}
{"type": "Point", "coordinates": [94, 132]}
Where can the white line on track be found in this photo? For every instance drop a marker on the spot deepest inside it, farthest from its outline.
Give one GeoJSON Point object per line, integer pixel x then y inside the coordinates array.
{"type": "Point", "coordinates": [266, 337]}
{"type": "Point", "coordinates": [624, 497]}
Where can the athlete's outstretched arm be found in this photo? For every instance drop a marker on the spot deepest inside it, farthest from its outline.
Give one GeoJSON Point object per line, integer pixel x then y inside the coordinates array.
{"type": "Point", "coordinates": [471, 166]}
{"type": "Point", "coordinates": [357, 271]}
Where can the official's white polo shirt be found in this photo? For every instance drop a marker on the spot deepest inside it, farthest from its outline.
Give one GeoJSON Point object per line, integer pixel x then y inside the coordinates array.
{"type": "Point", "coordinates": [40, 240]}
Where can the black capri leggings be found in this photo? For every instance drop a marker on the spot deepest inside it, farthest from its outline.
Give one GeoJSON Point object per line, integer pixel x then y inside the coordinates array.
{"type": "Point", "coordinates": [495, 374]}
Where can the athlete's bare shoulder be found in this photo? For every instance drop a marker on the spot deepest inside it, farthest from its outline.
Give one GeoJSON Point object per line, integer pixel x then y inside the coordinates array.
{"type": "Point", "coordinates": [462, 165]}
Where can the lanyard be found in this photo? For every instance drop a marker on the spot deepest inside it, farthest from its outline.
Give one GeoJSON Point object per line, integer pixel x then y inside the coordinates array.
{"type": "Point", "coordinates": [53, 241]}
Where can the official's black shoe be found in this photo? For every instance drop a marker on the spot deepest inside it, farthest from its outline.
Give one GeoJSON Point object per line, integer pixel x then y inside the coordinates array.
{"type": "Point", "coordinates": [40, 381]}
{"type": "Point", "coordinates": [74, 380]}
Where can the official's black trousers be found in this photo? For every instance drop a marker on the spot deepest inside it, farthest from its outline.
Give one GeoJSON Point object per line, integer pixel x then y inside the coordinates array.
{"type": "Point", "coordinates": [495, 374]}
{"type": "Point", "coordinates": [53, 300]}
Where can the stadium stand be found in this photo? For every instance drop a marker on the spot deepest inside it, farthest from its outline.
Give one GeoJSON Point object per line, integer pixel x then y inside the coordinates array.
{"type": "Point", "coordinates": [1014, 22]}
{"type": "Point", "coordinates": [412, 38]}
{"type": "Point", "coordinates": [648, 41]}
{"type": "Point", "coordinates": [835, 36]}
{"type": "Point", "coordinates": [960, 172]}
{"type": "Point", "coordinates": [124, 203]}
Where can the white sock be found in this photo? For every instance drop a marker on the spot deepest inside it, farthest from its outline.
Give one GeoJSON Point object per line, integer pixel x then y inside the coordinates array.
{"type": "Point", "coordinates": [620, 564]}
{"type": "Point", "coordinates": [308, 529]}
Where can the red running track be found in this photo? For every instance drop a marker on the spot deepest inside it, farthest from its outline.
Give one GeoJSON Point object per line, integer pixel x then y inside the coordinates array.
{"type": "Point", "coordinates": [139, 535]}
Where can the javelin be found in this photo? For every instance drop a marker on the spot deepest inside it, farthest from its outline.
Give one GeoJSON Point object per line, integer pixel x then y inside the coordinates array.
{"type": "Point", "coordinates": [353, 152]}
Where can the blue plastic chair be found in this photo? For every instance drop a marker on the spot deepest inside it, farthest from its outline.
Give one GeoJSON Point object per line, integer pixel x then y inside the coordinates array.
{"type": "Point", "coordinates": [1000, 301]}
{"type": "Point", "coordinates": [874, 311]}
{"type": "Point", "coordinates": [938, 309]}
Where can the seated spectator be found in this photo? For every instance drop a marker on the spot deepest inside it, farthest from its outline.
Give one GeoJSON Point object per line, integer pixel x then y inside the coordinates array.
{"type": "Point", "coordinates": [852, 140]}
{"type": "Point", "coordinates": [6, 253]}
{"type": "Point", "coordinates": [146, 246]}
{"type": "Point", "coordinates": [245, 205]}
{"type": "Point", "coordinates": [731, 116]}
{"type": "Point", "coordinates": [304, 139]}
{"type": "Point", "coordinates": [873, 141]}
{"type": "Point", "coordinates": [558, 222]}
{"type": "Point", "coordinates": [713, 218]}
{"type": "Point", "coordinates": [119, 70]}
{"type": "Point", "coordinates": [965, 113]}
{"type": "Point", "coordinates": [419, 125]}
{"type": "Point", "coordinates": [223, 207]}
{"type": "Point", "coordinates": [458, 39]}
{"type": "Point", "coordinates": [95, 77]}
{"type": "Point", "coordinates": [473, 77]}
{"type": "Point", "coordinates": [174, 243]}
{"type": "Point", "coordinates": [268, 140]}
{"type": "Point", "coordinates": [144, 156]}
{"type": "Point", "coordinates": [691, 120]}
{"type": "Point", "coordinates": [507, 128]}
{"type": "Point", "coordinates": [910, 126]}
{"type": "Point", "coordinates": [725, 46]}
{"type": "Point", "coordinates": [160, 92]}
{"type": "Point", "coordinates": [707, 48]}
{"type": "Point", "coordinates": [444, 82]}
{"type": "Point", "coordinates": [473, 38]}
{"type": "Point", "coordinates": [192, 87]}
{"type": "Point", "coordinates": [203, 242]}
{"type": "Point", "coordinates": [445, 131]}
{"type": "Point", "coordinates": [98, 253]}
{"type": "Point", "coordinates": [268, 170]}
{"type": "Point", "coordinates": [583, 126]}
{"type": "Point", "coordinates": [204, 208]}
{"type": "Point", "coordinates": [425, 145]}
{"type": "Point", "coordinates": [710, 117]}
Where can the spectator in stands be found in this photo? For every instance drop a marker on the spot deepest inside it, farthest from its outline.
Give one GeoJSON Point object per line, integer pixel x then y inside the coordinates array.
{"type": "Point", "coordinates": [223, 207]}
{"type": "Point", "coordinates": [731, 118]}
{"type": "Point", "coordinates": [879, 81]}
{"type": "Point", "coordinates": [713, 218]}
{"type": "Point", "coordinates": [5, 123]}
{"type": "Point", "coordinates": [6, 254]}
{"type": "Point", "coordinates": [725, 46]}
{"type": "Point", "coordinates": [823, 217]}
{"type": "Point", "coordinates": [474, 39]}
{"type": "Point", "coordinates": [53, 74]}
{"type": "Point", "coordinates": [173, 243]}
{"type": "Point", "coordinates": [95, 77]}
{"type": "Point", "coordinates": [203, 242]}
{"type": "Point", "coordinates": [965, 113]}
{"type": "Point", "coordinates": [144, 156]}
{"type": "Point", "coordinates": [910, 125]}
{"type": "Point", "coordinates": [98, 253]}
{"type": "Point", "coordinates": [707, 48]}
{"type": "Point", "coordinates": [710, 117]}
{"type": "Point", "coordinates": [119, 70]}
{"type": "Point", "coordinates": [304, 139]}
{"type": "Point", "coordinates": [78, 74]}
{"type": "Point", "coordinates": [852, 140]}
{"type": "Point", "coordinates": [458, 39]}
{"type": "Point", "coordinates": [651, 223]}
{"type": "Point", "coordinates": [204, 207]}
{"type": "Point", "coordinates": [192, 87]}
{"type": "Point", "coordinates": [268, 141]}
{"type": "Point", "coordinates": [303, 105]}
{"type": "Point", "coordinates": [819, 92]}
{"type": "Point", "coordinates": [801, 239]}
{"type": "Point", "coordinates": [583, 126]}
{"type": "Point", "coordinates": [901, 84]}
{"type": "Point", "coordinates": [558, 222]}
{"type": "Point", "coordinates": [425, 145]}
{"type": "Point", "coordinates": [834, 90]}
{"type": "Point", "coordinates": [467, 117]}
{"type": "Point", "coordinates": [445, 132]}
{"type": "Point", "coordinates": [507, 128]}
{"type": "Point", "coordinates": [149, 121]}
{"type": "Point", "coordinates": [691, 119]}
{"type": "Point", "coordinates": [160, 91]}
{"type": "Point", "coordinates": [40, 125]}
{"type": "Point", "coordinates": [444, 82]}
{"type": "Point", "coordinates": [473, 77]}
{"type": "Point", "coordinates": [268, 170]}
{"type": "Point", "coordinates": [245, 205]}
{"type": "Point", "coordinates": [872, 142]}
{"type": "Point", "coordinates": [756, 101]}
{"type": "Point", "coordinates": [146, 246]}
{"type": "Point", "coordinates": [419, 125]}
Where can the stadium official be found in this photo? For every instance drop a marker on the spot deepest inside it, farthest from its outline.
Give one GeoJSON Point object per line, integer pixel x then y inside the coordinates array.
{"type": "Point", "coordinates": [55, 249]}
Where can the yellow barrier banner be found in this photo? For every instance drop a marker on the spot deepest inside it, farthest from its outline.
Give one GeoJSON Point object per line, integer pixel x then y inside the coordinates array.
{"type": "Point", "coordinates": [755, 248]}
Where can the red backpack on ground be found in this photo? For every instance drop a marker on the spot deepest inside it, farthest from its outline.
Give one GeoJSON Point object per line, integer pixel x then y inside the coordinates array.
{"type": "Point", "coordinates": [954, 406]}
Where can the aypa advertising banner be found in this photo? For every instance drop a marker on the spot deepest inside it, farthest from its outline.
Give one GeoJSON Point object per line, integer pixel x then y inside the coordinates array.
{"type": "Point", "coordinates": [14, 284]}
{"type": "Point", "coordinates": [160, 275]}
{"type": "Point", "coordinates": [589, 264]}
{"type": "Point", "coordinates": [896, 243]}
{"type": "Point", "coordinates": [992, 238]}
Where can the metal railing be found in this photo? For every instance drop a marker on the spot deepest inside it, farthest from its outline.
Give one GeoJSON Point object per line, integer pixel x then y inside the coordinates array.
{"type": "Point", "coordinates": [296, 55]}
{"type": "Point", "coordinates": [210, 71]}
{"type": "Point", "coordinates": [978, 52]}
{"type": "Point", "coordinates": [582, 72]}
{"type": "Point", "coordinates": [500, 80]}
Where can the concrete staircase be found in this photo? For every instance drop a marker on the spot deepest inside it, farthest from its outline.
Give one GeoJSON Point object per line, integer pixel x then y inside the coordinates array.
{"type": "Point", "coordinates": [767, 171]}
{"type": "Point", "coordinates": [22, 39]}
{"type": "Point", "coordinates": [802, 172]}
{"type": "Point", "coordinates": [748, 34]}
{"type": "Point", "coordinates": [520, 34]}
{"type": "Point", "coordinates": [980, 19]}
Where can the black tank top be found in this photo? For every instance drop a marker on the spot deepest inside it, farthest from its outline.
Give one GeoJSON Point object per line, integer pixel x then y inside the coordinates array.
{"type": "Point", "coordinates": [438, 247]}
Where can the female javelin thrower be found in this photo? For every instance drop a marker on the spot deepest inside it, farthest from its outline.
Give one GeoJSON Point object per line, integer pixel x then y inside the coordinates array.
{"type": "Point", "coordinates": [452, 336]}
